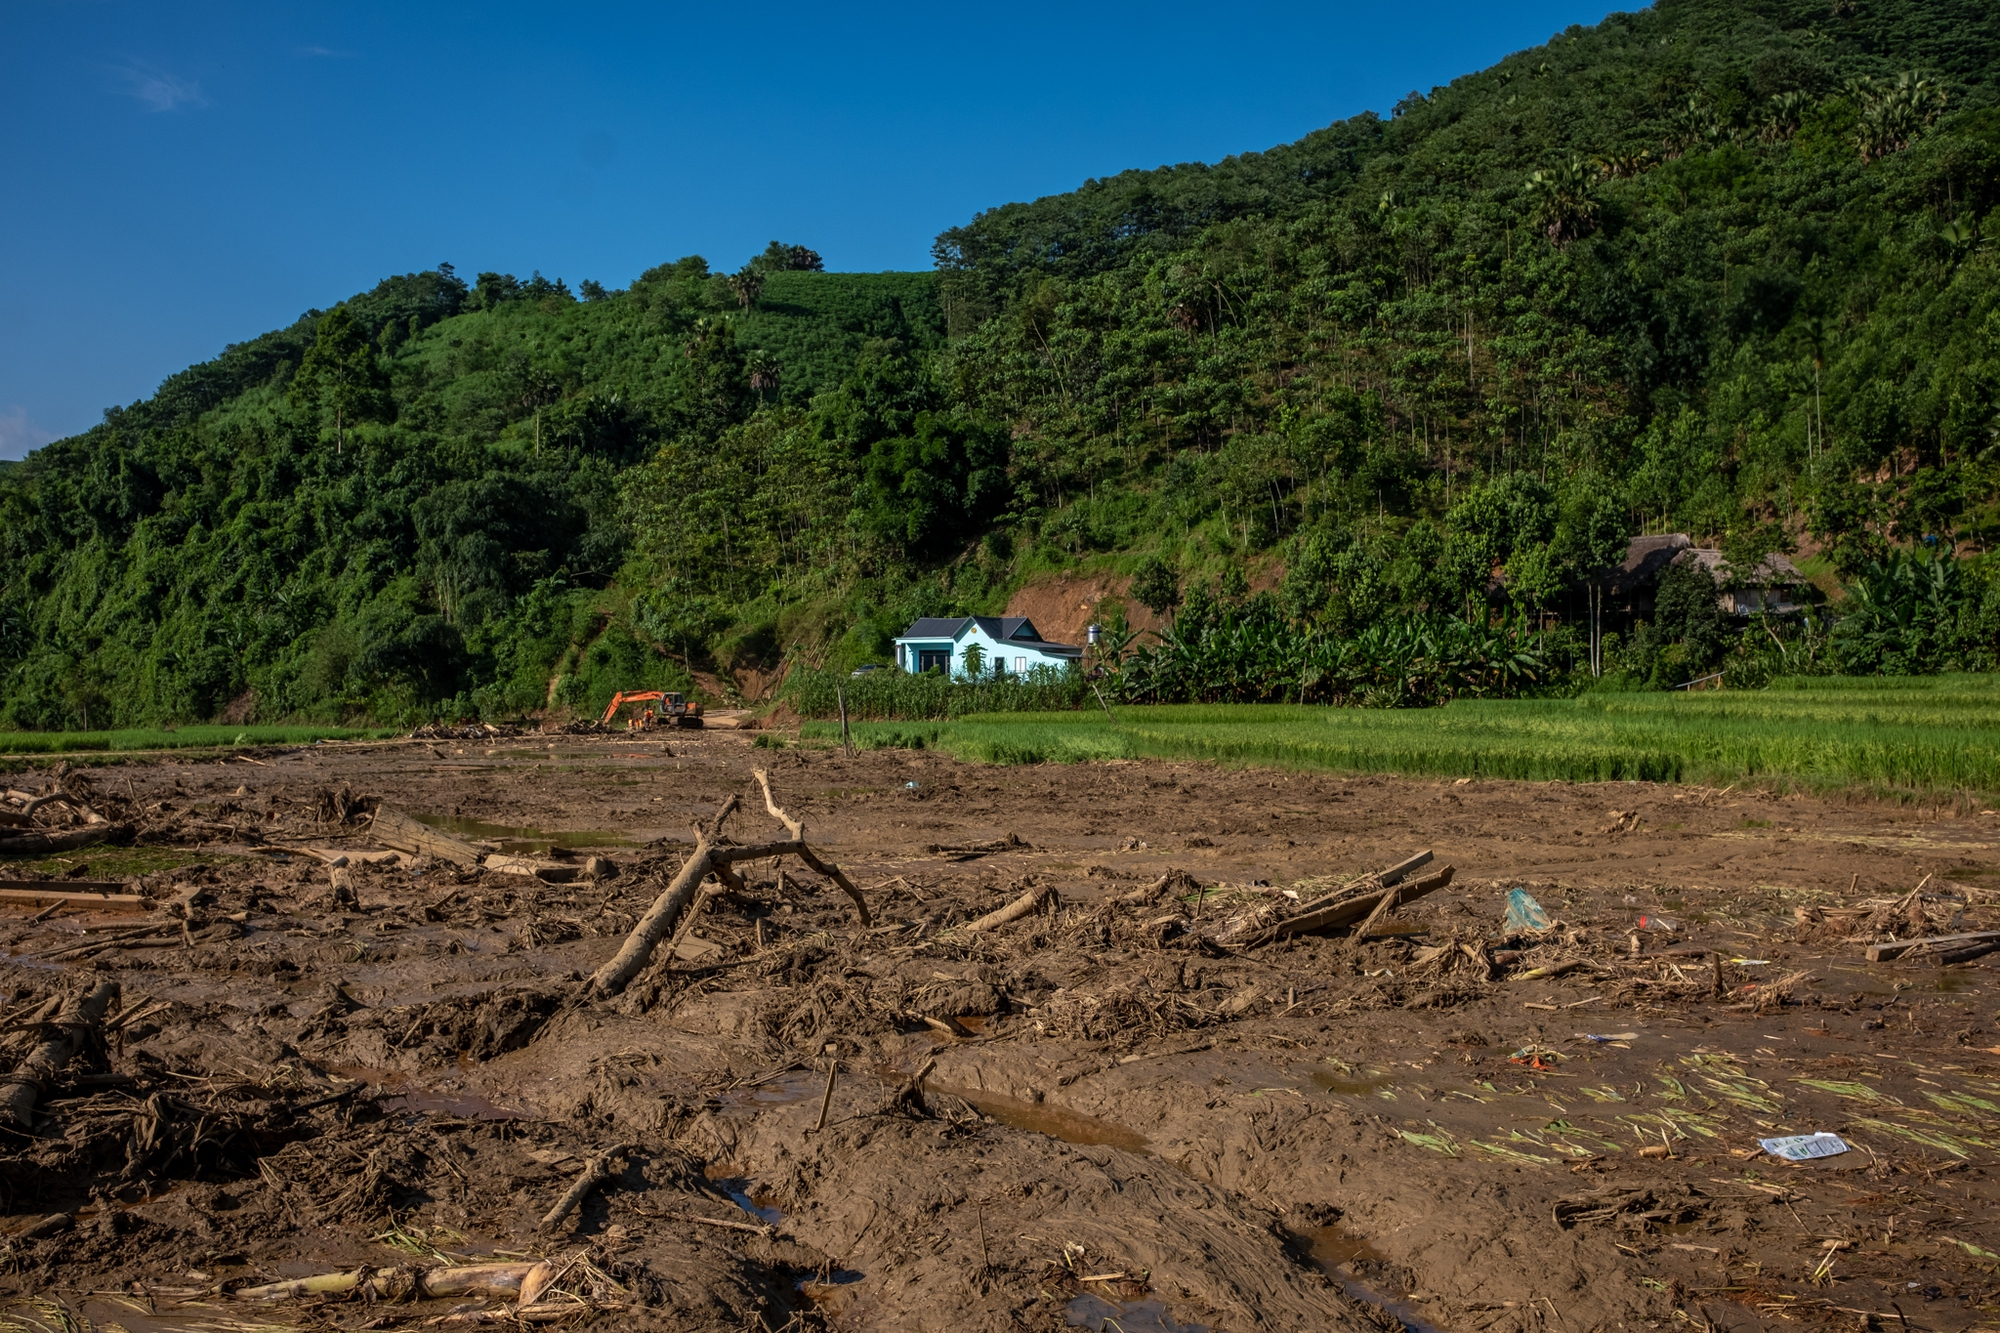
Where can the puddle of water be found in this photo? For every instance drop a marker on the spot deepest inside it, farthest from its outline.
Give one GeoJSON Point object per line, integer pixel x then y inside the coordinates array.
{"type": "Point", "coordinates": [1336, 1247]}
{"type": "Point", "coordinates": [520, 840]}
{"type": "Point", "coordinates": [1336, 1251]}
{"type": "Point", "coordinates": [403, 1096]}
{"type": "Point", "coordinates": [1094, 1312]}
{"type": "Point", "coordinates": [1069, 1126]}
{"type": "Point", "coordinates": [781, 1090]}
{"type": "Point", "coordinates": [1365, 1086]}
{"type": "Point", "coordinates": [760, 1205]}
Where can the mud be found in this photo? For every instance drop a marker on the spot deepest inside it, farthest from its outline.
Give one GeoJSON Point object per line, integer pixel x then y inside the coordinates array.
{"type": "Point", "coordinates": [1126, 1124]}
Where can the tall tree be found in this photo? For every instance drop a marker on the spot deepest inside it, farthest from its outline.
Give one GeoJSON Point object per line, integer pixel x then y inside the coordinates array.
{"type": "Point", "coordinates": [339, 375]}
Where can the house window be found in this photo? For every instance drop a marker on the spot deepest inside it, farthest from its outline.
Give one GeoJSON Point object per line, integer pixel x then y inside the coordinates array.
{"type": "Point", "coordinates": [939, 659]}
{"type": "Point", "coordinates": [1020, 666]}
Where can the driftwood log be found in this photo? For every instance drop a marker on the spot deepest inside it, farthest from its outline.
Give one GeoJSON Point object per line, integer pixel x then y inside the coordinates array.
{"type": "Point", "coordinates": [1937, 946]}
{"type": "Point", "coordinates": [600, 1169]}
{"type": "Point", "coordinates": [1350, 906]}
{"type": "Point", "coordinates": [498, 1281]}
{"type": "Point", "coordinates": [21, 1092]}
{"type": "Point", "coordinates": [393, 828]}
{"type": "Point", "coordinates": [1026, 905]}
{"type": "Point", "coordinates": [658, 923]}
{"type": "Point", "coordinates": [67, 840]}
{"type": "Point", "coordinates": [707, 859]}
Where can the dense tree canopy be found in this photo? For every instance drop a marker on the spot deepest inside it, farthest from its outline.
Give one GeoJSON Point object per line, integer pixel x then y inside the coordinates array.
{"type": "Point", "coordinates": [1725, 268]}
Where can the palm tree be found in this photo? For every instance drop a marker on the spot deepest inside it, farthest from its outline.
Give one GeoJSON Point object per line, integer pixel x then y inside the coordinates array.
{"type": "Point", "coordinates": [748, 284]}
{"type": "Point", "coordinates": [1564, 205]}
{"type": "Point", "coordinates": [765, 373]}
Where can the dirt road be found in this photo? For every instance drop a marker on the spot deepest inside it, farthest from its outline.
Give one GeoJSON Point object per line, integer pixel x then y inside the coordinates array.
{"type": "Point", "coordinates": [1130, 1111]}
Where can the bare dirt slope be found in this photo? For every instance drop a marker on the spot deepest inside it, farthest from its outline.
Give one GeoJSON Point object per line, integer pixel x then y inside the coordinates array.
{"type": "Point", "coordinates": [1131, 1112]}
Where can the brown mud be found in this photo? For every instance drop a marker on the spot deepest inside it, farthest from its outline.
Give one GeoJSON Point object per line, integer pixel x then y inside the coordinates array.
{"type": "Point", "coordinates": [1127, 1121]}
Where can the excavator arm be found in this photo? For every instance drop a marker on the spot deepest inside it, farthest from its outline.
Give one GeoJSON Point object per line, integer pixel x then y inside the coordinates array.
{"type": "Point", "coordinates": [633, 697]}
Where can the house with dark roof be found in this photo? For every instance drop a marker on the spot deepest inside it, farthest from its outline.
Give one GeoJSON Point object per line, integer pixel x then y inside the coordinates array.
{"type": "Point", "coordinates": [1008, 646]}
{"type": "Point", "coordinates": [1774, 585]}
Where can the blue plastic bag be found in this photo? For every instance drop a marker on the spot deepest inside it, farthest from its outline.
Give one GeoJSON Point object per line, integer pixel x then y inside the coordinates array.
{"type": "Point", "coordinates": [1524, 913]}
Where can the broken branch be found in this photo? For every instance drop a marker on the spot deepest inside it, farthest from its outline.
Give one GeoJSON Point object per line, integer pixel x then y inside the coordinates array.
{"type": "Point", "coordinates": [22, 1090]}
{"type": "Point", "coordinates": [599, 1171]}
{"type": "Point", "coordinates": [798, 830]}
{"type": "Point", "coordinates": [1025, 905]}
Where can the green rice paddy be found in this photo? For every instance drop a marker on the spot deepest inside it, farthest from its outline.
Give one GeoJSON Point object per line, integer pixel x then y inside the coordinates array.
{"type": "Point", "coordinates": [1938, 733]}
{"type": "Point", "coordinates": [179, 738]}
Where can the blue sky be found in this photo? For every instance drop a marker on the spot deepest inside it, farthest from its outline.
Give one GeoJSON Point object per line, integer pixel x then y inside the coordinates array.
{"type": "Point", "coordinates": [181, 176]}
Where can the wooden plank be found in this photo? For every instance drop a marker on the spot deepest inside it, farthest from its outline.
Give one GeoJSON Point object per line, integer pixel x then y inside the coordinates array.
{"type": "Point", "coordinates": [1882, 953]}
{"type": "Point", "coordinates": [49, 897]}
{"type": "Point", "coordinates": [1399, 872]}
{"type": "Point", "coordinates": [1964, 953]}
{"type": "Point", "coordinates": [1348, 912]}
{"type": "Point", "coordinates": [393, 828]}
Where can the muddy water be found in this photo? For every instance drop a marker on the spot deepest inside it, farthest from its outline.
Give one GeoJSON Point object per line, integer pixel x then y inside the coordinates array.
{"type": "Point", "coordinates": [399, 1090]}
{"type": "Point", "coordinates": [1339, 1252]}
{"type": "Point", "coordinates": [1057, 1123]}
{"type": "Point", "coordinates": [1098, 1314]}
{"type": "Point", "coordinates": [522, 840]}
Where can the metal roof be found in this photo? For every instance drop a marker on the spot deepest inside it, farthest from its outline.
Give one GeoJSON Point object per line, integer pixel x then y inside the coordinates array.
{"type": "Point", "coordinates": [1005, 629]}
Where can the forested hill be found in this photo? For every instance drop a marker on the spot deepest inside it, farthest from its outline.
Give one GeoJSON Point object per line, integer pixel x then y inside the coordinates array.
{"type": "Point", "coordinates": [1720, 267]}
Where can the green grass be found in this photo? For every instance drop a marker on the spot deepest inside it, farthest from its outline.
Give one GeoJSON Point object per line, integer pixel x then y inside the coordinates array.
{"type": "Point", "coordinates": [153, 738]}
{"type": "Point", "coordinates": [1924, 734]}
{"type": "Point", "coordinates": [105, 862]}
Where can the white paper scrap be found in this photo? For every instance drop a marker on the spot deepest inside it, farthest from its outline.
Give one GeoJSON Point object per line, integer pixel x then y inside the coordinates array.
{"type": "Point", "coordinates": [1805, 1147]}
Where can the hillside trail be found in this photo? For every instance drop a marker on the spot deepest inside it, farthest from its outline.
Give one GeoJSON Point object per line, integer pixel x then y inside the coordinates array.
{"type": "Point", "coordinates": [1118, 1111]}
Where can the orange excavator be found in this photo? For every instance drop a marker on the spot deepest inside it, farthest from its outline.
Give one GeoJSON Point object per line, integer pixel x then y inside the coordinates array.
{"type": "Point", "coordinates": [672, 710]}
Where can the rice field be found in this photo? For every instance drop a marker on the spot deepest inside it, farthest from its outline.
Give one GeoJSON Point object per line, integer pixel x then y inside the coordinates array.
{"type": "Point", "coordinates": [178, 738]}
{"type": "Point", "coordinates": [1938, 733]}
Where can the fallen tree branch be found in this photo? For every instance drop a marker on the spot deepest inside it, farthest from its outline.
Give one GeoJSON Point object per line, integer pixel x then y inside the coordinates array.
{"type": "Point", "coordinates": [68, 840]}
{"type": "Point", "coordinates": [21, 1091]}
{"type": "Point", "coordinates": [658, 923]}
{"type": "Point", "coordinates": [1882, 953]}
{"type": "Point", "coordinates": [797, 830]}
{"type": "Point", "coordinates": [595, 1174]}
{"type": "Point", "coordinates": [1348, 910]}
{"type": "Point", "coordinates": [751, 1227]}
{"type": "Point", "coordinates": [838, 876]}
{"type": "Point", "coordinates": [1025, 905]}
{"type": "Point", "coordinates": [492, 1280]}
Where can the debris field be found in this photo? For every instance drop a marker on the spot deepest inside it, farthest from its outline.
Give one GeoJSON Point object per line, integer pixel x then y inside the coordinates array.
{"type": "Point", "coordinates": [707, 1032]}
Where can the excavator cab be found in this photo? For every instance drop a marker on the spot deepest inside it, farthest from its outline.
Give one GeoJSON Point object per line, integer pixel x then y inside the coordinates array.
{"type": "Point", "coordinates": [669, 709]}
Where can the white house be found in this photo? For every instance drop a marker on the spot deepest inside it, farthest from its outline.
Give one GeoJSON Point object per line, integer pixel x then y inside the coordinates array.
{"type": "Point", "coordinates": [1008, 645]}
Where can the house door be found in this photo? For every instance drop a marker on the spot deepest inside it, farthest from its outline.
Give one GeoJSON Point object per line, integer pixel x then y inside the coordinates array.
{"type": "Point", "coordinates": [927, 658]}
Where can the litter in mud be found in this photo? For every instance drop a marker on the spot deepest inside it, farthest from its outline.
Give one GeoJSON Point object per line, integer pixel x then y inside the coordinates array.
{"type": "Point", "coordinates": [1524, 913]}
{"type": "Point", "coordinates": [1804, 1147]}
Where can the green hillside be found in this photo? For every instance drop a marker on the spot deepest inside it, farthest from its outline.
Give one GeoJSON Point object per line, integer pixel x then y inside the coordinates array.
{"type": "Point", "coordinates": [1727, 268]}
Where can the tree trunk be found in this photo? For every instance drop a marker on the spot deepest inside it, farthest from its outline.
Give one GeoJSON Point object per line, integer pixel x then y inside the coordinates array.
{"type": "Point", "coordinates": [22, 1091]}
{"type": "Point", "coordinates": [615, 975]}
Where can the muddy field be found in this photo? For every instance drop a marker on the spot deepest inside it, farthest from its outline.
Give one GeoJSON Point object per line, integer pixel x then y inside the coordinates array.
{"type": "Point", "coordinates": [1131, 1115]}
